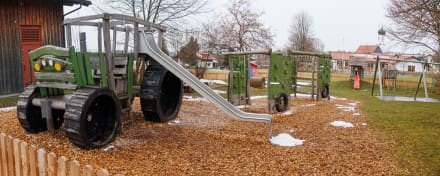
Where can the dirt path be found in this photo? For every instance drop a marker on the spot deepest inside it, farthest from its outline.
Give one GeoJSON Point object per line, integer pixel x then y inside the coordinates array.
{"type": "Point", "coordinates": [203, 141]}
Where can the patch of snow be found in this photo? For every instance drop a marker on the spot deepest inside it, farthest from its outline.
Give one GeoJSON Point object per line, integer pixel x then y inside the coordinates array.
{"type": "Point", "coordinates": [7, 109]}
{"type": "Point", "coordinates": [300, 95]}
{"type": "Point", "coordinates": [258, 97]}
{"type": "Point", "coordinates": [346, 108]}
{"type": "Point", "coordinates": [220, 82]}
{"type": "Point", "coordinates": [342, 124]}
{"type": "Point", "coordinates": [174, 122]}
{"type": "Point", "coordinates": [289, 112]}
{"type": "Point", "coordinates": [303, 83]}
{"type": "Point", "coordinates": [308, 105]}
{"type": "Point", "coordinates": [110, 148]}
{"type": "Point", "coordinates": [196, 99]}
{"type": "Point", "coordinates": [352, 104]}
{"type": "Point", "coordinates": [219, 91]}
{"type": "Point", "coordinates": [291, 131]}
{"type": "Point", "coordinates": [338, 105]}
{"type": "Point", "coordinates": [285, 140]}
{"type": "Point", "coordinates": [275, 83]}
{"type": "Point", "coordinates": [364, 124]}
{"type": "Point", "coordinates": [356, 114]}
{"type": "Point", "coordinates": [187, 97]}
{"type": "Point", "coordinates": [240, 106]}
{"type": "Point", "coordinates": [337, 98]}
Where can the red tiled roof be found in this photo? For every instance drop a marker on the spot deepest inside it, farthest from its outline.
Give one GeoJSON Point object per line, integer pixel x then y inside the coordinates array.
{"type": "Point", "coordinates": [340, 55]}
{"type": "Point", "coordinates": [205, 56]}
{"type": "Point", "coordinates": [367, 49]}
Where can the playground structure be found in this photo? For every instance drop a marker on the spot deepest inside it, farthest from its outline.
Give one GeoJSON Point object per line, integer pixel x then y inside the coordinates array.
{"type": "Point", "coordinates": [357, 70]}
{"type": "Point", "coordinates": [386, 74]}
{"type": "Point", "coordinates": [88, 92]}
{"type": "Point", "coordinates": [284, 73]}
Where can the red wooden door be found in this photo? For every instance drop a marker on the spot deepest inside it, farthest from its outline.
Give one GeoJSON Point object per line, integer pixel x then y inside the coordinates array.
{"type": "Point", "coordinates": [30, 37]}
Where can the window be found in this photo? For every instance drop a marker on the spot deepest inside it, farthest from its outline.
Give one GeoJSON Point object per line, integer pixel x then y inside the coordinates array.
{"type": "Point", "coordinates": [411, 68]}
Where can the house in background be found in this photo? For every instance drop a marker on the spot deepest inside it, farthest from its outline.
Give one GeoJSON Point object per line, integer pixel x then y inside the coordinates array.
{"type": "Point", "coordinates": [206, 60]}
{"type": "Point", "coordinates": [340, 60]}
{"type": "Point", "coordinates": [24, 26]}
{"type": "Point", "coordinates": [403, 66]}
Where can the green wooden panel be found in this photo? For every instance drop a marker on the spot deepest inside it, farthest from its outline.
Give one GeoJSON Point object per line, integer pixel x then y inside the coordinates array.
{"type": "Point", "coordinates": [130, 76]}
{"type": "Point", "coordinates": [282, 74]}
{"type": "Point", "coordinates": [238, 82]}
{"type": "Point", "coordinates": [324, 70]}
{"type": "Point", "coordinates": [88, 69]}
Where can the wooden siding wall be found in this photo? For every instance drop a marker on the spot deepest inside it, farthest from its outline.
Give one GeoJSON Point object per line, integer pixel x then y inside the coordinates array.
{"type": "Point", "coordinates": [13, 13]}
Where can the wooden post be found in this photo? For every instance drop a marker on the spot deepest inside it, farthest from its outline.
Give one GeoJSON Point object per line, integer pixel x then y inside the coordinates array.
{"type": "Point", "coordinates": [424, 81]}
{"type": "Point", "coordinates": [68, 35]}
{"type": "Point", "coordinates": [42, 162]}
{"type": "Point", "coordinates": [52, 164]}
{"type": "Point", "coordinates": [4, 157]}
{"type": "Point", "coordinates": [33, 164]}
{"type": "Point", "coordinates": [17, 157]}
{"type": "Point", "coordinates": [100, 37]}
{"type": "Point", "coordinates": [24, 158]}
{"type": "Point", "coordinates": [136, 40]}
{"type": "Point", "coordinates": [9, 149]}
{"type": "Point", "coordinates": [374, 77]}
{"type": "Point", "coordinates": [127, 39]}
{"type": "Point", "coordinates": [103, 172]}
{"type": "Point", "coordinates": [88, 170]}
{"type": "Point", "coordinates": [74, 168]}
{"type": "Point", "coordinates": [114, 40]}
{"type": "Point", "coordinates": [380, 80]}
{"type": "Point", "coordinates": [62, 169]}
{"type": "Point", "coordinates": [108, 53]}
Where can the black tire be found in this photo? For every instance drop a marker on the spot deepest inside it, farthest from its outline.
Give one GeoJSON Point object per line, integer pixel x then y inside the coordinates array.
{"type": "Point", "coordinates": [325, 92]}
{"type": "Point", "coordinates": [160, 95]}
{"type": "Point", "coordinates": [281, 102]}
{"type": "Point", "coordinates": [92, 117]}
{"type": "Point", "coordinates": [29, 115]}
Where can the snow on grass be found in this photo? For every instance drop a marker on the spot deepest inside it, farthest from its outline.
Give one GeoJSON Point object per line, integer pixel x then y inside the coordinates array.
{"type": "Point", "coordinates": [356, 114]}
{"type": "Point", "coordinates": [258, 97]}
{"type": "Point", "coordinates": [346, 108]}
{"type": "Point", "coordinates": [352, 104]}
{"type": "Point", "coordinates": [364, 124]}
{"type": "Point", "coordinates": [7, 109]}
{"type": "Point", "coordinates": [285, 140]}
{"type": "Point", "coordinates": [240, 106]}
{"type": "Point", "coordinates": [303, 83]}
{"type": "Point", "coordinates": [342, 124]}
{"type": "Point", "coordinates": [300, 95]}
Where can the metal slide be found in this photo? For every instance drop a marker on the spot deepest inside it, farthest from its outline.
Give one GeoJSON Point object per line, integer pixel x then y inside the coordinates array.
{"type": "Point", "coordinates": [148, 46]}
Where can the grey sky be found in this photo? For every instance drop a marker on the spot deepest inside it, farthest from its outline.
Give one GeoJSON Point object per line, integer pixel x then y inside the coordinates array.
{"type": "Point", "coordinates": [340, 24]}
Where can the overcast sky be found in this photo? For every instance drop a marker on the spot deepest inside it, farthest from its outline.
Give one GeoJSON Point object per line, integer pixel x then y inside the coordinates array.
{"type": "Point", "coordinates": [340, 24]}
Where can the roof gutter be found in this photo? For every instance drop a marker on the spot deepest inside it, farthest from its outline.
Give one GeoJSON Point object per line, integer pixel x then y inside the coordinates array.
{"type": "Point", "coordinates": [74, 10]}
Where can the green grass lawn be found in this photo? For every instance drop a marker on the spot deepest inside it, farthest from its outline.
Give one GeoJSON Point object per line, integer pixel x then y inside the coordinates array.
{"type": "Point", "coordinates": [414, 126]}
{"type": "Point", "coordinates": [9, 101]}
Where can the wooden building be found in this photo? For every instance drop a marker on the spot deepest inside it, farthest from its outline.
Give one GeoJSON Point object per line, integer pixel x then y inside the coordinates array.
{"type": "Point", "coordinates": [26, 25]}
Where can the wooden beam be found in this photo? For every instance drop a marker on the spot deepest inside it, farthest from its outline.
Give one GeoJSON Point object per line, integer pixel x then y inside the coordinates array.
{"type": "Point", "coordinates": [108, 52]}
{"type": "Point", "coordinates": [127, 39]}
{"type": "Point", "coordinates": [68, 35]}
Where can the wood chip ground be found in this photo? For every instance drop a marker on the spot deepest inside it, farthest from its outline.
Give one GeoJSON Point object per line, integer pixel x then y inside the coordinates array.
{"type": "Point", "coordinates": [204, 141]}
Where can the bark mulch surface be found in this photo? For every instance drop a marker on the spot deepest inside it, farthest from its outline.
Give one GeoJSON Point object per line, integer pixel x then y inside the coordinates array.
{"type": "Point", "coordinates": [205, 141]}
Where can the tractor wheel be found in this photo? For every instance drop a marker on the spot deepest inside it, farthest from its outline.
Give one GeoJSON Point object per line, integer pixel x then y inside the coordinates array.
{"type": "Point", "coordinates": [92, 117]}
{"type": "Point", "coordinates": [29, 115]}
{"type": "Point", "coordinates": [282, 102]}
{"type": "Point", "coordinates": [160, 94]}
{"type": "Point", "coordinates": [325, 92]}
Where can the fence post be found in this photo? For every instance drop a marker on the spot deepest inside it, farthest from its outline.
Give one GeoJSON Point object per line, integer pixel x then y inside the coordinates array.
{"type": "Point", "coordinates": [103, 172]}
{"type": "Point", "coordinates": [10, 148]}
{"type": "Point", "coordinates": [33, 169]}
{"type": "Point", "coordinates": [4, 159]}
{"type": "Point", "coordinates": [24, 158]}
{"type": "Point", "coordinates": [74, 168]}
{"type": "Point", "coordinates": [62, 169]}
{"type": "Point", "coordinates": [88, 170]}
{"type": "Point", "coordinates": [52, 164]}
{"type": "Point", "coordinates": [17, 157]}
{"type": "Point", "coordinates": [42, 162]}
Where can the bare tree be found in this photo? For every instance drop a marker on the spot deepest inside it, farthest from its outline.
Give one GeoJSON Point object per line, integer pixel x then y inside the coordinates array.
{"type": "Point", "coordinates": [416, 23]}
{"type": "Point", "coordinates": [159, 11]}
{"type": "Point", "coordinates": [241, 27]}
{"type": "Point", "coordinates": [301, 34]}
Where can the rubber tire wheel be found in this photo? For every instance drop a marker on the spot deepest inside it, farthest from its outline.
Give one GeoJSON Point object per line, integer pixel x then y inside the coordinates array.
{"type": "Point", "coordinates": [29, 116]}
{"type": "Point", "coordinates": [325, 91]}
{"type": "Point", "coordinates": [282, 102]}
{"type": "Point", "coordinates": [96, 122]}
{"type": "Point", "coordinates": [160, 94]}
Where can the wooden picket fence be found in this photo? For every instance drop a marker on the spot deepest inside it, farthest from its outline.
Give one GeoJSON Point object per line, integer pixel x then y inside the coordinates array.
{"type": "Point", "coordinates": [21, 159]}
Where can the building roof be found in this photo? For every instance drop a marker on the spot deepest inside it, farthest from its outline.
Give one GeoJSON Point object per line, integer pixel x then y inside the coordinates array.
{"type": "Point", "coordinates": [73, 2]}
{"type": "Point", "coordinates": [368, 49]}
{"type": "Point", "coordinates": [340, 55]}
{"type": "Point", "coordinates": [206, 56]}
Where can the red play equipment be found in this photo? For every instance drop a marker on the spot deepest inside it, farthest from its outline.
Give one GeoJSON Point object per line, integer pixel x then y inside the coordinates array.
{"type": "Point", "coordinates": [357, 82]}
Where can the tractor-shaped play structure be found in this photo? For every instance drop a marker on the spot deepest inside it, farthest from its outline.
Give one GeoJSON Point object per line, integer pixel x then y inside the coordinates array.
{"type": "Point", "coordinates": [90, 92]}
